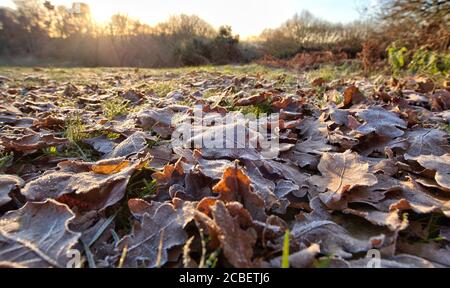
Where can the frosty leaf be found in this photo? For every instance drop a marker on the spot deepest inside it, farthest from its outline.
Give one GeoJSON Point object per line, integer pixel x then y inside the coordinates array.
{"type": "Point", "coordinates": [439, 164]}
{"type": "Point", "coordinates": [37, 235]}
{"type": "Point", "coordinates": [7, 184]}
{"type": "Point", "coordinates": [86, 185]}
{"type": "Point", "coordinates": [235, 186]}
{"type": "Point", "coordinates": [425, 141]}
{"type": "Point", "coordinates": [132, 145]}
{"type": "Point", "coordinates": [30, 142]}
{"type": "Point", "coordinates": [382, 122]}
{"type": "Point", "coordinates": [237, 244]}
{"type": "Point", "coordinates": [340, 173]}
{"type": "Point", "coordinates": [150, 239]}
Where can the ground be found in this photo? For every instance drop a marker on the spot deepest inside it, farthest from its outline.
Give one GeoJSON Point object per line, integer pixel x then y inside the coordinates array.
{"type": "Point", "coordinates": [87, 167]}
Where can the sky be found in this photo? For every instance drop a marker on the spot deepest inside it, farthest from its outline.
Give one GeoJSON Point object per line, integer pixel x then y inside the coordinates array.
{"type": "Point", "coordinates": [246, 17]}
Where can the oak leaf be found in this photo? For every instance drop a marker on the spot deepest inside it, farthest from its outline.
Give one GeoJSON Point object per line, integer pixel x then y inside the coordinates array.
{"type": "Point", "coordinates": [37, 235]}
{"type": "Point", "coordinates": [340, 173]}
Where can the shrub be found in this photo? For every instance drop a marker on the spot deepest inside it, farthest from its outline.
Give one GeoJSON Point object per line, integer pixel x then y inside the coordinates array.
{"type": "Point", "coordinates": [429, 62]}
{"type": "Point", "coordinates": [396, 58]}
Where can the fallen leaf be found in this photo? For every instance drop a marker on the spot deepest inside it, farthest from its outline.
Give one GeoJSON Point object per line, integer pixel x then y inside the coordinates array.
{"type": "Point", "coordinates": [235, 186]}
{"type": "Point", "coordinates": [340, 173]}
{"type": "Point", "coordinates": [301, 259]}
{"type": "Point", "coordinates": [30, 142]}
{"type": "Point", "coordinates": [439, 164]}
{"type": "Point", "coordinates": [7, 184]}
{"type": "Point", "coordinates": [78, 184]}
{"type": "Point", "coordinates": [130, 146]}
{"type": "Point", "coordinates": [425, 141]}
{"type": "Point", "coordinates": [382, 122]}
{"type": "Point", "coordinates": [37, 235]}
{"type": "Point", "coordinates": [149, 241]}
{"type": "Point", "coordinates": [352, 95]}
{"type": "Point", "coordinates": [237, 244]}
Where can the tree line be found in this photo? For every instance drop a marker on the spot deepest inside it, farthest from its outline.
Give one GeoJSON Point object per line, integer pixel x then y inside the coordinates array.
{"type": "Point", "coordinates": [43, 32]}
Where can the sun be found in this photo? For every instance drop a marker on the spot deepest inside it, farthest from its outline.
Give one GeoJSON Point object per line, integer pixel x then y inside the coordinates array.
{"type": "Point", "coordinates": [102, 11]}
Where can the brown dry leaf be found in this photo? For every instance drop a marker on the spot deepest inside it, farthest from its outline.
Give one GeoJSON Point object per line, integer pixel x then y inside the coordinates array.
{"type": "Point", "coordinates": [262, 186]}
{"type": "Point", "coordinates": [37, 235]}
{"type": "Point", "coordinates": [196, 186]}
{"type": "Point", "coordinates": [48, 122]}
{"type": "Point", "coordinates": [161, 155]}
{"type": "Point", "coordinates": [340, 173]}
{"type": "Point", "coordinates": [7, 184]}
{"type": "Point", "coordinates": [320, 227]}
{"type": "Point", "coordinates": [171, 175]}
{"type": "Point", "coordinates": [185, 209]}
{"type": "Point", "coordinates": [333, 239]}
{"type": "Point", "coordinates": [382, 122]}
{"type": "Point", "coordinates": [253, 100]}
{"type": "Point", "coordinates": [138, 207]}
{"type": "Point", "coordinates": [159, 120]}
{"type": "Point", "coordinates": [237, 244]}
{"type": "Point", "coordinates": [101, 144]}
{"type": "Point", "coordinates": [169, 172]}
{"type": "Point", "coordinates": [319, 81]}
{"type": "Point", "coordinates": [285, 170]}
{"type": "Point", "coordinates": [439, 164]}
{"type": "Point", "coordinates": [413, 196]}
{"type": "Point", "coordinates": [149, 241]}
{"type": "Point", "coordinates": [391, 219]}
{"type": "Point", "coordinates": [107, 169]}
{"type": "Point", "coordinates": [78, 185]}
{"type": "Point", "coordinates": [235, 186]}
{"type": "Point", "coordinates": [221, 134]}
{"type": "Point", "coordinates": [352, 95]}
{"type": "Point", "coordinates": [130, 146]}
{"type": "Point", "coordinates": [212, 168]}
{"type": "Point", "coordinates": [424, 85]}
{"type": "Point", "coordinates": [375, 193]}
{"type": "Point", "coordinates": [317, 147]}
{"type": "Point", "coordinates": [30, 142]}
{"type": "Point", "coordinates": [376, 143]}
{"type": "Point", "coordinates": [338, 116]}
{"type": "Point", "coordinates": [424, 141]}
{"type": "Point", "coordinates": [433, 252]}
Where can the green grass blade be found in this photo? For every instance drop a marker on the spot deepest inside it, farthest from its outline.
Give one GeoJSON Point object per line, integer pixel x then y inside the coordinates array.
{"type": "Point", "coordinates": [285, 257]}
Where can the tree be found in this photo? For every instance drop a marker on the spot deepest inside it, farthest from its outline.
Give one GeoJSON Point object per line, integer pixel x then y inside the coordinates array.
{"type": "Point", "coordinates": [428, 18]}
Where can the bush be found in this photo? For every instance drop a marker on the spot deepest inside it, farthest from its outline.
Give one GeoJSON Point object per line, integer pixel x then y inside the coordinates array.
{"type": "Point", "coordinates": [396, 58]}
{"type": "Point", "coordinates": [429, 62]}
{"type": "Point", "coordinates": [422, 61]}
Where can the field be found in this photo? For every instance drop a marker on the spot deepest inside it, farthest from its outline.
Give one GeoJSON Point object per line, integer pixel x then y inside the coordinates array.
{"type": "Point", "coordinates": [89, 176]}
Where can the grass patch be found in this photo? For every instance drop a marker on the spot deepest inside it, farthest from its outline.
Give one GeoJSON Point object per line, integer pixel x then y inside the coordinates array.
{"type": "Point", "coordinates": [161, 89]}
{"type": "Point", "coordinates": [257, 109]}
{"type": "Point", "coordinates": [331, 72]}
{"type": "Point", "coordinates": [6, 159]}
{"type": "Point", "coordinates": [75, 128]}
{"type": "Point", "coordinates": [140, 186]}
{"type": "Point", "coordinates": [115, 107]}
{"type": "Point", "coordinates": [75, 132]}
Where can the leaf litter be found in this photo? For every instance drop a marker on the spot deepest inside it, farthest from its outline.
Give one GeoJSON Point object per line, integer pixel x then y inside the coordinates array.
{"type": "Point", "coordinates": [94, 172]}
